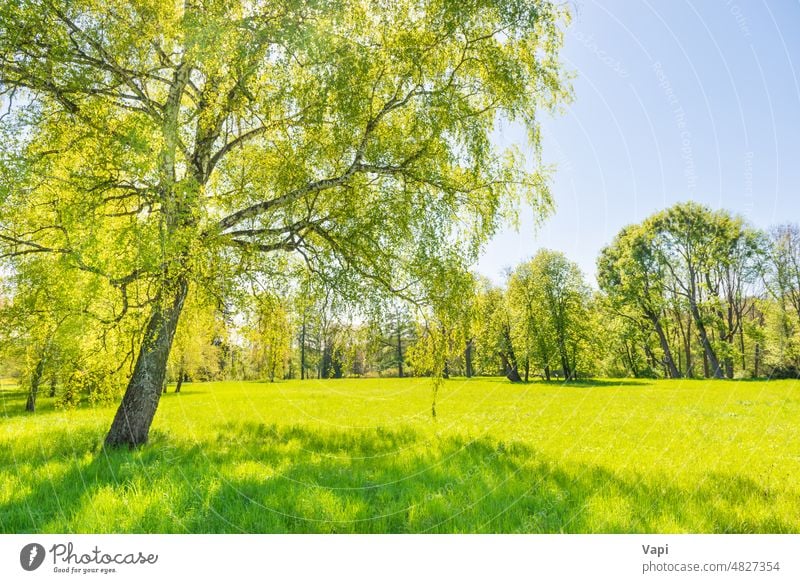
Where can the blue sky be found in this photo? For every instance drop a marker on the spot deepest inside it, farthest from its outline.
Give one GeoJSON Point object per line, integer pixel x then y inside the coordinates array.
{"type": "Point", "coordinates": [674, 100]}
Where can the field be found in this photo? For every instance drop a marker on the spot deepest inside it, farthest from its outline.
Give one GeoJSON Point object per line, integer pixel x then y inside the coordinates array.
{"type": "Point", "coordinates": [366, 456]}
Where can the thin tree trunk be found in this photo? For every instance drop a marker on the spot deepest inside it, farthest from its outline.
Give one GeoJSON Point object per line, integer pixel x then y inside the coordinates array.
{"type": "Point", "coordinates": [547, 373]}
{"type": "Point", "coordinates": [756, 359]}
{"type": "Point", "coordinates": [651, 358]}
{"type": "Point", "coordinates": [131, 425]}
{"type": "Point", "coordinates": [662, 339]}
{"type": "Point", "coordinates": [741, 347]}
{"type": "Point", "coordinates": [53, 382]}
{"type": "Point", "coordinates": [511, 370]}
{"type": "Point", "coordinates": [688, 347]}
{"type": "Point", "coordinates": [565, 364]}
{"type": "Point", "coordinates": [631, 362]}
{"type": "Point", "coordinates": [468, 358]}
{"type": "Point", "coordinates": [303, 350]}
{"type": "Point", "coordinates": [179, 382]}
{"type": "Point", "coordinates": [713, 361]}
{"type": "Point", "coordinates": [36, 379]}
{"type": "Point", "coordinates": [399, 352]}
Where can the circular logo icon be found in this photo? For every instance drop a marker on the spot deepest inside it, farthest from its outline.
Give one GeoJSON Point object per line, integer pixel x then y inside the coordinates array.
{"type": "Point", "coordinates": [31, 556]}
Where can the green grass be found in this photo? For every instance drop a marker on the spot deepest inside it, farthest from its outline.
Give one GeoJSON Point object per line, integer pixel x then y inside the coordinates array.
{"type": "Point", "coordinates": [366, 456]}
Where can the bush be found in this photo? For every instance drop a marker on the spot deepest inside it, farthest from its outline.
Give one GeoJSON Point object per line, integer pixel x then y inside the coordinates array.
{"type": "Point", "coordinates": [789, 371]}
{"type": "Point", "coordinates": [98, 386]}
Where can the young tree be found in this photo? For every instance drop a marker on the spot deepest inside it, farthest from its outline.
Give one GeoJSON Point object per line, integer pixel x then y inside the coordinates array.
{"type": "Point", "coordinates": [394, 331]}
{"type": "Point", "coordinates": [269, 336]}
{"type": "Point", "coordinates": [218, 135]}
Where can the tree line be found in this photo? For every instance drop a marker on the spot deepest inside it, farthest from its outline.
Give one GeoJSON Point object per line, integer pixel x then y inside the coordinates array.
{"type": "Point", "coordinates": [689, 292]}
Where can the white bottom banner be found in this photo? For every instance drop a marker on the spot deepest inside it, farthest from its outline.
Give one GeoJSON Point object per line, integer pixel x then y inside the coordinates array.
{"type": "Point", "coordinates": [417, 558]}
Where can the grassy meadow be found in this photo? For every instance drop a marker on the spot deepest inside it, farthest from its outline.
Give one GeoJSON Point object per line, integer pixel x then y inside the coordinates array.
{"type": "Point", "coordinates": [364, 455]}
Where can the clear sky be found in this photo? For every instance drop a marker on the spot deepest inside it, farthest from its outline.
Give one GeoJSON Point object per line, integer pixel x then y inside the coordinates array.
{"type": "Point", "coordinates": [674, 100]}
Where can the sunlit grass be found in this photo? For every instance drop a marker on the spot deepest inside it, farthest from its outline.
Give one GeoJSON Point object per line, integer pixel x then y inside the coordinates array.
{"type": "Point", "coordinates": [366, 456]}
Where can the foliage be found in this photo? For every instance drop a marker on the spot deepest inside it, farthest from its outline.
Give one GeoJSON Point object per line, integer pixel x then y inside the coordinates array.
{"type": "Point", "coordinates": [352, 136]}
{"type": "Point", "coordinates": [197, 349]}
{"type": "Point", "coordinates": [549, 302]}
{"type": "Point", "coordinates": [689, 270]}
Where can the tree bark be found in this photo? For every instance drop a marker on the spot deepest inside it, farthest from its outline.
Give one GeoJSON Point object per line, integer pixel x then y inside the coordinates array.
{"type": "Point", "coordinates": [131, 425]}
{"type": "Point", "coordinates": [509, 358]}
{"type": "Point", "coordinates": [511, 369]}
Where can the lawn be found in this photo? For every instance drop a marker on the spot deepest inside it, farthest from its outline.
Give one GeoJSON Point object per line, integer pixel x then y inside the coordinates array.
{"type": "Point", "coordinates": [366, 456]}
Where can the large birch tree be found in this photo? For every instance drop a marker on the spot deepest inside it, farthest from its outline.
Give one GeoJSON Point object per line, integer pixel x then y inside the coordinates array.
{"type": "Point", "coordinates": [162, 145]}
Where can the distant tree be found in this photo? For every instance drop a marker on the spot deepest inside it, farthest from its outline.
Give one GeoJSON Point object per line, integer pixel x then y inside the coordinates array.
{"type": "Point", "coordinates": [493, 333]}
{"type": "Point", "coordinates": [64, 334]}
{"type": "Point", "coordinates": [620, 340]}
{"type": "Point", "coordinates": [782, 314]}
{"type": "Point", "coordinates": [631, 274]}
{"type": "Point", "coordinates": [533, 334]}
{"type": "Point", "coordinates": [392, 327]}
{"type": "Point", "coordinates": [196, 351]}
{"type": "Point", "coordinates": [784, 273]}
{"type": "Point", "coordinates": [710, 257]}
{"type": "Point", "coordinates": [558, 314]}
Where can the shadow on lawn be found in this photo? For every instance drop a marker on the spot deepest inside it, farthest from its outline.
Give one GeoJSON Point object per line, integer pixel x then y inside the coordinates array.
{"type": "Point", "coordinates": [253, 477]}
{"type": "Point", "coordinates": [603, 382]}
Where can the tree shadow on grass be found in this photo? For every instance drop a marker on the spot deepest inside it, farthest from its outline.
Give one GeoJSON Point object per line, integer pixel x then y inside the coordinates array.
{"type": "Point", "coordinates": [252, 477]}
{"type": "Point", "coordinates": [556, 383]}
{"type": "Point", "coordinates": [608, 383]}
